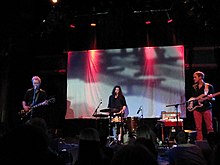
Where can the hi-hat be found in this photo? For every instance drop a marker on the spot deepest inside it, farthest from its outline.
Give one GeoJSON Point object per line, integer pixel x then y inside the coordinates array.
{"type": "Point", "coordinates": [110, 110]}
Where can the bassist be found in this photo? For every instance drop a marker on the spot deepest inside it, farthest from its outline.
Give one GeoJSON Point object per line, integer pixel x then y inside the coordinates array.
{"type": "Point", "coordinates": [200, 88]}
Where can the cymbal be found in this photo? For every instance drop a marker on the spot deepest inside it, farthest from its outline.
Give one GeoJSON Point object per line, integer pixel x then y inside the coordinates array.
{"type": "Point", "coordinates": [100, 115]}
{"type": "Point", "coordinates": [110, 110]}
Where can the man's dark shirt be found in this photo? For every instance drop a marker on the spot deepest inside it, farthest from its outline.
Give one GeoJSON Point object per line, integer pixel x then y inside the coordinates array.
{"type": "Point", "coordinates": [28, 98]}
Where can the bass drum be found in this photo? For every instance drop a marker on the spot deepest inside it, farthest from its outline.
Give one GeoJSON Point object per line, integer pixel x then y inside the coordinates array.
{"type": "Point", "coordinates": [132, 123]}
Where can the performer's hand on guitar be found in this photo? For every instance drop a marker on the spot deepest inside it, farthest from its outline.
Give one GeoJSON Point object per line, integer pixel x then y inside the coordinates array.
{"type": "Point", "coordinates": [45, 102]}
{"type": "Point", "coordinates": [211, 97]}
{"type": "Point", "coordinates": [26, 108]}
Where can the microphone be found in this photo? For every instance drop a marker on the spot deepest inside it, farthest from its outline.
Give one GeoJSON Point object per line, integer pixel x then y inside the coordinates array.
{"type": "Point", "coordinates": [140, 109]}
{"type": "Point", "coordinates": [100, 101]}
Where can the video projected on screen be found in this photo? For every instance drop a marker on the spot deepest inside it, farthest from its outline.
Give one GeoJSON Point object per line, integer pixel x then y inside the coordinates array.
{"type": "Point", "coordinates": [150, 77]}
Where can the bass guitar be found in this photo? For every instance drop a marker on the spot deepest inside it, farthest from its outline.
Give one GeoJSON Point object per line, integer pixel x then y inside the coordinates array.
{"type": "Point", "coordinates": [196, 102]}
{"type": "Point", "coordinates": [24, 113]}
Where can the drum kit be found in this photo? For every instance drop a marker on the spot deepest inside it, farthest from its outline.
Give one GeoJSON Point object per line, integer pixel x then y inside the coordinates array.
{"type": "Point", "coordinates": [113, 113]}
{"type": "Point", "coordinates": [127, 125]}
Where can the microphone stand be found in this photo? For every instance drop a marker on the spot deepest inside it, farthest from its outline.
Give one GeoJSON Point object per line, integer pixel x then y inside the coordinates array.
{"type": "Point", "coordinates": [95, 112]}
{"type": "Point", "coordinates": [142, 115]}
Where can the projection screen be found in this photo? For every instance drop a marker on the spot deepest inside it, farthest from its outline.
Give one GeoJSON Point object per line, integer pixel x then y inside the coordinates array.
{"type": "Point", "coordinates": [150, 77]}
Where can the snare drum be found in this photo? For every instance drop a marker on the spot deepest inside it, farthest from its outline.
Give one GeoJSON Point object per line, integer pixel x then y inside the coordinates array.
{"type": "Point", "coordinates": [132, 123]}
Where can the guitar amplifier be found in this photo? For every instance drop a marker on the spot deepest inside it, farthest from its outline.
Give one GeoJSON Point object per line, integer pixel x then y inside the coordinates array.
{"type": "Point", "coordinates": [168, 121]}
{"type": "Point", "coordinates": [171, 122]}
{"type": "Point", "coordinates": [167, 125]}
{"type": "Point", "coordinates": [169, 115]}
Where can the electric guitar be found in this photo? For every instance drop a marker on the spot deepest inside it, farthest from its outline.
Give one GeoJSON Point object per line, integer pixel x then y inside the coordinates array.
{"type": "Point", "coordinates": [24, 113]}
{"type": "Point", "coordinates": [194, 103]}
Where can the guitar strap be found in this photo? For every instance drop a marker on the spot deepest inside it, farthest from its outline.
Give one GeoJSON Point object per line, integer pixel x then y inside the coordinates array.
{"type": "Point", "coordinates": [34, 101]}
{"type": "Point", "coordinates": [195, 86]}
{"type": "Point", "coordinates": [206, 89]}
{"type": "Point", "coordinates": [36, 98]}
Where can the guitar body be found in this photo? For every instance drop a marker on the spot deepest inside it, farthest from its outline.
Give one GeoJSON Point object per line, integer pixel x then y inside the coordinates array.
{"type": "Point", "coordinates": [26, 114]}
{"type": "Point", "coordinates": [196, 102]}
{"type": "Point", "coordinates": [22, 113]}
{"type": "Point", "coordinates": [193, 104]}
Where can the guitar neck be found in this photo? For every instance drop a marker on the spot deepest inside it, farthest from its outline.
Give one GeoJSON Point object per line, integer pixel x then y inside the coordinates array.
{"type": "Point", "coordinates": [216, 94]}
{"type": "Point", "coordinates": [206, 98]}
{"type": "Point", "coordinates": [44, 103]}
{"type": "Point", "coordinates": [35, 106]}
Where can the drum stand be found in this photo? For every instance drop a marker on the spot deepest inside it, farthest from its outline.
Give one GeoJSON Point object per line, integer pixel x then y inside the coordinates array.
{"type": "Point", "coordinates": [111, 137]}
{"type": "Point", "coordinates": [115, 131]}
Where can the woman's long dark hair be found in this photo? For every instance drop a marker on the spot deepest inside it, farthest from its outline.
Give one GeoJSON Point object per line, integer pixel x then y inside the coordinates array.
{"type": "Point", "coordinates": [120, 91]}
